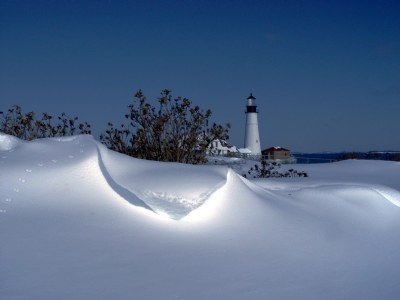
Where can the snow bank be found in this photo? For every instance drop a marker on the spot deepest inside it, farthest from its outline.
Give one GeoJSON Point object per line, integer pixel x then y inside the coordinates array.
{"type": "Point", "coordinates": [171, 190]}
{"type": "Point", "coordinates": [8, 142]}
{"type": "Point", "coordinates": [78, 221]}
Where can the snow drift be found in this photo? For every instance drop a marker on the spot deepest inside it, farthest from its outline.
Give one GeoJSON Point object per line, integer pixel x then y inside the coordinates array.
{"type": "Point", "coordinates": [78, 221]}
{"type": "Point", "coordinates": [166, 189]}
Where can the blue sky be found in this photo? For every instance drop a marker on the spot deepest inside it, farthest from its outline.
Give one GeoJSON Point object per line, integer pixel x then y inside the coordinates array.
{"type": "Point", "coordinates": [326, 74]}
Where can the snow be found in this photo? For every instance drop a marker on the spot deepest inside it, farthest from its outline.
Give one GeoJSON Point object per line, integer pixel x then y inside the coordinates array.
{"type": "Point", "coordinates": [8, 142]}
{"type": "Point", "coordinates": [78, 221]}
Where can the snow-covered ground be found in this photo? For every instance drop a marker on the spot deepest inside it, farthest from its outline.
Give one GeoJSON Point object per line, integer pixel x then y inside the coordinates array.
{"type": "Point", "coordinates": [78, 221]}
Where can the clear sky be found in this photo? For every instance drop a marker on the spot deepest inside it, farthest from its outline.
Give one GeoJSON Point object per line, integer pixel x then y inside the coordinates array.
{"type": "Point", "coordinates": [326, 74]}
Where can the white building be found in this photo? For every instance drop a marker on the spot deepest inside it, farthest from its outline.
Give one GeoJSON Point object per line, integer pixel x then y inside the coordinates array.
{"type": "Point", "coordinates": [221, 147]}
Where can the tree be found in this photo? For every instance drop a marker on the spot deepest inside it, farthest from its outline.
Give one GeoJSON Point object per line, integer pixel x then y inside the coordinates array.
{"type": "Point", "coordinates": [25, 126]}
{"type": "Point", "coordinates": [174, 131]}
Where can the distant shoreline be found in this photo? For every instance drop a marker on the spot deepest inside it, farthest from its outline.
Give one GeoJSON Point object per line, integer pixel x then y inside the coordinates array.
{"type": "Point", "coordinates": [321, 157]}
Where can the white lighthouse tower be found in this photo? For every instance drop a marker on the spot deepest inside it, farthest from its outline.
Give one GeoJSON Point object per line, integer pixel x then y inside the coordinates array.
{"type": "Point", "coordinates": [252, 137]}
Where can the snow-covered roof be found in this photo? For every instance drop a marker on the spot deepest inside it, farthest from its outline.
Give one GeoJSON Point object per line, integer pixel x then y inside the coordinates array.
{"type": "Point", "coordinates": [222, 145]}
{"type": "Point", "coordinates": [275, 149]}
{"type": "Point", "coordinates": [244, 150]}
{"type": "Point", "coordinates": [233, 149]}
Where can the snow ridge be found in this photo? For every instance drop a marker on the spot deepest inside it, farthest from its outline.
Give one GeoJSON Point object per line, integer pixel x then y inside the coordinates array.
{"type": "Point", "coordinates": [166, 188]}
{"type": "Point", "coordinates": [120, 190]}
{"type": "Point", "coordinates": [165, 193]}
{"type": "Point", "coordinates": [389, 194]}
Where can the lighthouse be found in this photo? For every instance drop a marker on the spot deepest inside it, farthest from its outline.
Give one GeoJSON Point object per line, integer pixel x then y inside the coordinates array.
{"type": "Point", "coordinates": [252, 137]}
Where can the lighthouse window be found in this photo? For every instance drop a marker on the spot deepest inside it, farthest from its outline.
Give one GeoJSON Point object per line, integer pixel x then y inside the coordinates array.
{"type": "Point", "coordinates": [251, 109]}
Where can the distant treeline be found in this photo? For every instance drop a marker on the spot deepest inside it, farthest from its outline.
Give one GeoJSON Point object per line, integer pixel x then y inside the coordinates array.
{"type": "Point", "coordinates": [337, 156]}
{"type": "Point", "coordinates": [374, 155]}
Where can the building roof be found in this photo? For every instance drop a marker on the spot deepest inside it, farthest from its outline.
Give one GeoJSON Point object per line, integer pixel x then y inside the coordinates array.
{"type": "Point", "coordinates": [222, 145]}
{"type": "Point", "coordinates": [275, 149]}
{"type": "Point", "coordinates": [251, 96]}
{"type": "Point", "coordinates": [244, 151]}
